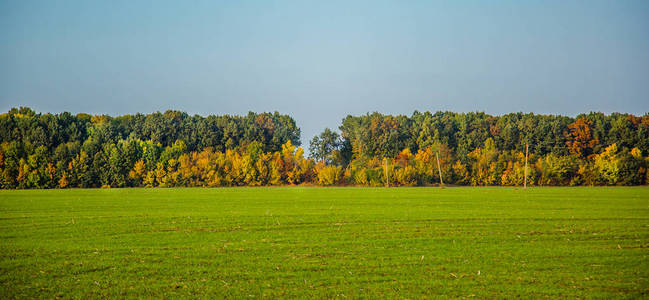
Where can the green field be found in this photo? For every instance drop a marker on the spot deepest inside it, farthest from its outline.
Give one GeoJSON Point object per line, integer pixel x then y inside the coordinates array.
{"type": "Point", "coordinates": [325, 242]}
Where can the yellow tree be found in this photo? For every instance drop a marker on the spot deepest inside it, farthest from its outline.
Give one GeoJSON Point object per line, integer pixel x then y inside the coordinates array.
{"type": "Point", "coordinates": [460, 173]}
{"type": "Point", "coordinates": [63, 182]}
{"type": "Point", "coordinates": [137, 174]}
{"type": "Point", "coordinates": [327, 174]}
{"type": "Point", "coordinates": [295, 168]}
{"type": "Point", "coordinates": [607, 166]}
{"type": "Point", "coordinates": [514, 173]}
{"type": "Point", "coordinates": [484, 164]}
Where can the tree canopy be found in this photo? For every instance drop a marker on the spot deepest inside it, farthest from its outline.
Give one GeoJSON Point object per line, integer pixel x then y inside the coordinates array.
{"type": "Point", "coordinates": [176, 149]}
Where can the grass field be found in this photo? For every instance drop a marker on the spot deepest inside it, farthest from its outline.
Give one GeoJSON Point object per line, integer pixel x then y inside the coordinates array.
{"type": "Point", "coordinates": [325, 242]}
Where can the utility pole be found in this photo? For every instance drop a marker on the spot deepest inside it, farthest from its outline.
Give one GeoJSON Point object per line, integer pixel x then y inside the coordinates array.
{"type": "Point", "coordinates": [441, 182]}
{"type": "Point", "coordinates": [526, 150]}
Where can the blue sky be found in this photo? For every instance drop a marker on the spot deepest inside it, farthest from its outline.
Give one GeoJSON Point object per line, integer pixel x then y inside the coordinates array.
{"type": "Point", "coordinates": [322, 60]}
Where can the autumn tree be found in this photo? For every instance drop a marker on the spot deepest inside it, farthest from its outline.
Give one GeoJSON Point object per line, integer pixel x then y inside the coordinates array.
{"type": "Point", "coordinates": [579, 139]}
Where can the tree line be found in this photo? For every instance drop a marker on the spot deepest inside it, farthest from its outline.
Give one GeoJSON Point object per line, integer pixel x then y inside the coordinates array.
{"type": "Point", "coordinates": [175, 149]}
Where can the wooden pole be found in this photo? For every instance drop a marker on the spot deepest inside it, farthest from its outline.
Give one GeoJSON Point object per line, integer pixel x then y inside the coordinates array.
{"type": "Point", "coordinates": [526, 150]}
{"type": "Point", "coordinates": [439, 169]}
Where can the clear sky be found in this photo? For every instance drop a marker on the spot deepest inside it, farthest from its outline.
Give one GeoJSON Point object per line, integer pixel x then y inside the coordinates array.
{"type": "Point", "coordinates": [322, 60]}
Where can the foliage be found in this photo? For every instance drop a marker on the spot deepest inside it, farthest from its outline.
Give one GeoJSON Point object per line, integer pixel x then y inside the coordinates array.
{"type": "Point", "coordinates": [326, 147]}
{"type": "Point", "coordinates": [173, 149]}
{"type": "Point", "coordinates": [328, 174]}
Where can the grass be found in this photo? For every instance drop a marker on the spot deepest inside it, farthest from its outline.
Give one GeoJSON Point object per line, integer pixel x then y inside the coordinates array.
{"type": "Point", "coordinates": [325, 243]}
